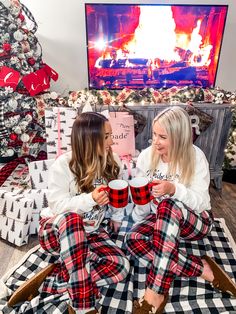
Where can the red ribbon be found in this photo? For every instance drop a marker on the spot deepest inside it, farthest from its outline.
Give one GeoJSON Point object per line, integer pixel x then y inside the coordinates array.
{"type": "Point", "coordinates": [7, 170]}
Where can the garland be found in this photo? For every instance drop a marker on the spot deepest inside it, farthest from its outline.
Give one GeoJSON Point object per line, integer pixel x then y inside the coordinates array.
{"type": "Point", "coordinates": [173, 95]}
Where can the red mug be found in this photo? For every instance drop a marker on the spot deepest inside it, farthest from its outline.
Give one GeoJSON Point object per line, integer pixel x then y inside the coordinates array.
{"type": "Point", "coordinates": [140, 189]}
{"type": "Point", "coordinates": [118, 193]}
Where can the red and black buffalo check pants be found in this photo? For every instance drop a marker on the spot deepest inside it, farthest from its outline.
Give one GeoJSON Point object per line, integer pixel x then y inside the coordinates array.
{"type": "Point", "coordinates": [87, 261]}
{"type": "Point", "coordinates": [155, 242]}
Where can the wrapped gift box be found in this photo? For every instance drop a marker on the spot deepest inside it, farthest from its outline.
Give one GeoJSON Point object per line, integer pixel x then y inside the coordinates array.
{"type": "Point", "coordinates": [58, 124]}
{"type": "Point", "coordinates": [38, 171]}
{"type": "Point", "coordinates": [15, 216]}
{"type": "Point", "coordinates": [16, 178]}
{"type": "Point", "coordinates": [39, 198]}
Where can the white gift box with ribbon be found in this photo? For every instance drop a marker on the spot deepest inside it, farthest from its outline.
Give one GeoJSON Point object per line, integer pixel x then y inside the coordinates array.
{"type": "Point", "coordinates": [38, 171]}
{"type": "Point", "coordinates": [58, 124]}
{"type": "Point", "coordinates": [40, 201]}
{"type": "Point", "coordinates": [15, 216]}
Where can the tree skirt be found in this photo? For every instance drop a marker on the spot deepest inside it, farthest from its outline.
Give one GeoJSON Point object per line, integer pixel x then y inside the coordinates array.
{"type": "Point", "coordinates": [186, 295]}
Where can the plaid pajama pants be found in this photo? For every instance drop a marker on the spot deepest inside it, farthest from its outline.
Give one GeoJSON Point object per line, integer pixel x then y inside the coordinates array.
{"type": "Point", "coordinates": [155, 242]}
{"type": "Point", "coordinates": [85, 261]}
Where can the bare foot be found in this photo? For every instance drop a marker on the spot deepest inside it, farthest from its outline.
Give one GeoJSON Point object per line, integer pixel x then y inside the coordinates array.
{"type": "Point", "coordinates": [153, 298]}
{"type": "Point", "coordinates": [207, 273]}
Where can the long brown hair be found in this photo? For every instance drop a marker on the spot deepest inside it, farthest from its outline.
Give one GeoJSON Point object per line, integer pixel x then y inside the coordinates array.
{"type": "Point", "coordinates": [89, 158]}
{"type": "Point", "coordinates": [175, 120]}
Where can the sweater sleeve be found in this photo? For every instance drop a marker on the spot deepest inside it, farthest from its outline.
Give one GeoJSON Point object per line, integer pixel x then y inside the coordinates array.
{"type": "Point", "coordinates": [60, 197]}
{"type": "Point", "coordinates": [196, 195]}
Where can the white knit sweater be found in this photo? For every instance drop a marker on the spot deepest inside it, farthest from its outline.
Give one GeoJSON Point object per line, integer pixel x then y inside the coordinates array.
{"type": "Point", "coordinates": [63, 196]}
{"type": "Point", "coordinates": [196, 195]}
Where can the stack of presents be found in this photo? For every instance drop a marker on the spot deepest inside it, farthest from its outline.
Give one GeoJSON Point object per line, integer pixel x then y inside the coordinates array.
{"type": "Point", "coordinates": [24, 192]}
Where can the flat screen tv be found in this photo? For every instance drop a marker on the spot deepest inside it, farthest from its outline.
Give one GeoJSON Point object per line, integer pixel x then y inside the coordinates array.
{"type": "Point", "coordinates": [153, 45]}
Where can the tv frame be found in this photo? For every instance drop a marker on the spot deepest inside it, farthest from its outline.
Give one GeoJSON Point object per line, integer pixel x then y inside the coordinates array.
{"type": "Point", "coordinates": [164, 86]}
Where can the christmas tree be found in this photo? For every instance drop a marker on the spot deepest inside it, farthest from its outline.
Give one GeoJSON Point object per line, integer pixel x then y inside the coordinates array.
{"type": "Point", "coordinates": [23, 76]}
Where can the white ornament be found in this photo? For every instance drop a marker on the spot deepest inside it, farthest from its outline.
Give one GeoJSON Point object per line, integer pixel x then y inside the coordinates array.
{"type": "Point", "coordinates": [53, 95]}
{"type": "Point", "coordinates": [12, 104]}
{"type": "Point", "coordinates": [9, 152]}
{"type": "Point", "coordinates": [18, 36]}
{"type": "Point", "coordinates": [17, 130]}
{"type": "Point", "coordinates": [21, 56]}
{"type": "Point", "coordinates": [24, 137]}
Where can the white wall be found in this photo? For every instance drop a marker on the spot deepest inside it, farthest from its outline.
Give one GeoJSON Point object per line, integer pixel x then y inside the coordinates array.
{"type": "Point", "coordinates": [61, 32]}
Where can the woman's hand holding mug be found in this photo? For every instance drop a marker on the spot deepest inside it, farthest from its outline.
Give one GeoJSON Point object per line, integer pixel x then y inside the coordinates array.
{"type": "Point", "coordinates": [141, 190]}
{"type": "Point", "coordinates": [100, 196]}
{"type": "Point", "coordinates": [118, 195]}
{"type": "Point", "coordinates": [162, 187]}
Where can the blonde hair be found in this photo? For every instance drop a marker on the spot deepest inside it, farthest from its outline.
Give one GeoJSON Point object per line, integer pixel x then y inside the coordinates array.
{"type": "Point", "coordinates": [176, 122]}
{"type": "Point", "coordinates": [89, 158]}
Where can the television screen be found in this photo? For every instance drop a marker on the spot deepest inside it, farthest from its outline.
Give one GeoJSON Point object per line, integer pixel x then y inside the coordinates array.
{"type": "Point", "coordinates": [152, 45]}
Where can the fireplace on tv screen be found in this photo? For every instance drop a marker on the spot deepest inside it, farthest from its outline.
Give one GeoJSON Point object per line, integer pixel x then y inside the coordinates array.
{"type": "Point", "coordinates": [157, 46]}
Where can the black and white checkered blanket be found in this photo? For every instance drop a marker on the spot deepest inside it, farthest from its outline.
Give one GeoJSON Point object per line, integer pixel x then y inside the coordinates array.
{"type": "Point", "coordinates": [186, 295]}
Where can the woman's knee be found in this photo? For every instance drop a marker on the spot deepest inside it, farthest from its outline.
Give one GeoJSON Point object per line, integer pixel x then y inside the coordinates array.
{"type": "Point", "coordinates": [167, 205]}
{"type": "Point", "coordinates": [70, 219]}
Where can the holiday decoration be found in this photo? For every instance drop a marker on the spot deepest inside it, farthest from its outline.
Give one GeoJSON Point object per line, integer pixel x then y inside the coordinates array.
{"type": "Point", "coordinates": [148, 96]}
{"type": "Point", "coordinates": [21, 65]}
{"type": "Point", "coordinates": [22, 124]}
{"type": "Point", "coordinates": [200, 120]}
{"type": "Point", "coordinates": [23, 74]}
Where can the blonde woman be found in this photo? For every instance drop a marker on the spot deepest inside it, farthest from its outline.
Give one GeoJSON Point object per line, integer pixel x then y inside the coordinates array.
{"type": "Point", "coordinates": [181, 209]}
